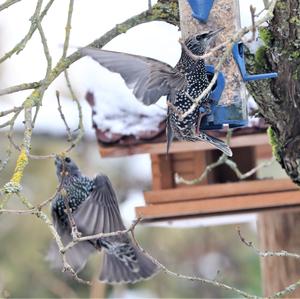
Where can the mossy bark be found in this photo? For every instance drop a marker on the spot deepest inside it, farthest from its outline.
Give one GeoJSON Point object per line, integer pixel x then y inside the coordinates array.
{"type": "Point", "coordinates": [279, 99]}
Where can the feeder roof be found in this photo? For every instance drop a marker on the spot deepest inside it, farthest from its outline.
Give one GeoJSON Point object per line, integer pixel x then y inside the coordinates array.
{"type": "Point", "coordinates": [125, 121]}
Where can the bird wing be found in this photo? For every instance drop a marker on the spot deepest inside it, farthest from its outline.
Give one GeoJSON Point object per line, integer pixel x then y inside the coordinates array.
{"type": "Point", "coordinates": [99, 213]}
{"type": "Point", "coordinates": [76, 256]}
{"type": "Point", "coordinates": [148, 78]}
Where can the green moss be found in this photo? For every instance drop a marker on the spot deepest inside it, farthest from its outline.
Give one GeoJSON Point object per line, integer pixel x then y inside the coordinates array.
{"type": "Point", "coordinates": [260, 60]}
{"type": "Point", "coordinates": [281, 5]}
{"type": "Point", "coordinates": [274, 143]}
{"type": "Point", "coordinates": [295, 54]}
{"type": "Point", "coordinates": [122, 28]}
{"type": "Point", "coordinates": [265, 35]}
{"type": "Point", "coordinates": [296, 75]}
{"type": "Point", "coordinates": [166, 11]}
{"type": "Point", "coordinates": [295, 20]}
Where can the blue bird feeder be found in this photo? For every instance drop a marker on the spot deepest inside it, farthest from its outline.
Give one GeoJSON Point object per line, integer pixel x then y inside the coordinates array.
{"type": "Point", "coordinates": [201, 9]}
{"type": "Point", "coordinates": [233, 115]}
{"type": "Point", "coordinates": [238, 55]}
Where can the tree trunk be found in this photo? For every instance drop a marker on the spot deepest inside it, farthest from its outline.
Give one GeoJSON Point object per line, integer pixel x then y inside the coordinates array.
{"type": "Point", "coordinates": [279, 99]}
{"type": "Point", "coordinates": [279, 102]}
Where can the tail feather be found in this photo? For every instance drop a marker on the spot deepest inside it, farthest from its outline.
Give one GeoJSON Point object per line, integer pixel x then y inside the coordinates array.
{"type": "Point", "coordinates": [115, 271]}
{"type": "Point", "coordinates": [221, 145]}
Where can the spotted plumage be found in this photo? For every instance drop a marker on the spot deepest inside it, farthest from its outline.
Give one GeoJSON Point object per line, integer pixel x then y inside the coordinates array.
{"type": "Point", "coordinates": [94, 208]}
{"type": "Point", "coordinates": [150, 79]}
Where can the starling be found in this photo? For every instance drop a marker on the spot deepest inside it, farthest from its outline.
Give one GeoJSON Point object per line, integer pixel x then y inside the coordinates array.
{"type": "Point", "coordinates": [94, 208]}
{"type": "Point", "coordinates": [150, 79]}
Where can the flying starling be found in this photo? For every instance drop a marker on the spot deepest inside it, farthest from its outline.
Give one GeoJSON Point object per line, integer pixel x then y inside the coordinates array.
{"type": "Point", "coordinates": [150, 79]}
{"type": "Point", "coordinates": [94, 208]}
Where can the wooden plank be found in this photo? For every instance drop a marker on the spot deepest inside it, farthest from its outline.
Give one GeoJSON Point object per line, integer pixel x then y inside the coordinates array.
{"type": "Point", "coordinates": [219, 190]}
{"type": "Point", "coordinates": [162, 172]}
{"type": "Point", "coordinates": [244, 157]}
{"type": "Point", "coordinates": [219, 205]}
{"type": "Point", "coordinates": [180, 146]}
{"type": "Point", "coordinates": [264, 151]}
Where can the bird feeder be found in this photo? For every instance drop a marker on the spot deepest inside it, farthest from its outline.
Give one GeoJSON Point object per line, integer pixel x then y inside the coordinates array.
{"type": "Point", "coordinates": [238, 55]}
{"type": "Point", "coordinates": [219, 115]}
{"type": "Point", "coordinates": [220, 192]}
{"type": "Point", "coordinates": [201, 9]}
{"type": "Point", "coordinates": [229, 106]}
{"type": "Point", "coordinates": [232, 115]}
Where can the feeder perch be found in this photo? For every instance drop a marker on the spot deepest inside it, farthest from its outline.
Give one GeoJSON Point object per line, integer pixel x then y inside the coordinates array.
{"type": "Point", "coordinates": [238, 55]}
{"type": "Point", "coordinates": [201, 9]}
{"type": "Point", "coordinates": [232, 115]}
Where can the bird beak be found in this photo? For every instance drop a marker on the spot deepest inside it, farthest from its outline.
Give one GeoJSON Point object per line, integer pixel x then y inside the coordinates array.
{"type": "Point", "coordinates": [213, 34]}
{"type": "Point", "coordinates": [57, 161]}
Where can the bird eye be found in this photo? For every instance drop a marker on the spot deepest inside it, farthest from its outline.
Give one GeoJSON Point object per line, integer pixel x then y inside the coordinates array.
{"type": "Point", "coordinates": [200, 37]}
{"type": "Point", "coordinates": [67, 159]}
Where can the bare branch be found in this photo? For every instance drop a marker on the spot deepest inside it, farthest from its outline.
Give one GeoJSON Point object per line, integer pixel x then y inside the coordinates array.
{"type": "Point", "coordinates": [243, 176]}
{"type": "Point", "coordinates": [8, 3]}
{"type": "Point", "coordinates": [267, 253]}
{"type": "Point", "coordinates": [63, 117]}
{"type": "Point", "coordinates": [20, 87]}
{"type": "Point", "coordinates": [190, 278]}
{"type": "Point", "coordinates": [21, 45]}
{"type": "Point", "coordinates": [252, 11]}
{"type": "Point", "coordinates": [68, 29]}
{"type": "Point", "coordinates": [102, 235]}
{"type": "Point", "coordinates": [45, 47]}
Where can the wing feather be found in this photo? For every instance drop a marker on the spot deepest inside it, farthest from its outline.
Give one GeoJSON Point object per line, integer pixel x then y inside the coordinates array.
{"type": "Point", "coordinates": [100, 212]}
{"type": "Point", "coordinates": [76, 256]}
{"type": "Point", "coordinates": [149, 78]}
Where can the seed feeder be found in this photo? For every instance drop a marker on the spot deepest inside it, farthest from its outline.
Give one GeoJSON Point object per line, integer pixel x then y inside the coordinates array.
{"type": "Point", "coordinates": [238, 55]}
{"type": "Point", "coordinates": [201, 9]}
{"type": "Point", "coordinates": [233, 115]}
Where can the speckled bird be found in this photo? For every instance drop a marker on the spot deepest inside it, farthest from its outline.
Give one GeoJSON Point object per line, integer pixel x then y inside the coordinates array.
{"type": "Point", "coordinates": [150, 79]}
{"type": "Point", "coordinates": [94, 208]}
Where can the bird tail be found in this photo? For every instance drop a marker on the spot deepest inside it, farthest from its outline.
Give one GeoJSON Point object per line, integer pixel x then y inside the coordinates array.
{"type": "Point", "coordinates": [221, 145]}
{"type": "Point", "coordinates": [115, 271]}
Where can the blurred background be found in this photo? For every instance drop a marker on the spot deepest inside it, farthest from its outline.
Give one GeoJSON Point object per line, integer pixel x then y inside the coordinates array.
{"type": "Point", "coordinates": [206, 247]}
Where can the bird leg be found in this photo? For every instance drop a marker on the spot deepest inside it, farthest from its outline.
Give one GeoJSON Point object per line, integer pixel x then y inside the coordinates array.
{"type": "Point", "coordinates": [201, 115]}
{"type": "Point", "coordinates": [174, 109]}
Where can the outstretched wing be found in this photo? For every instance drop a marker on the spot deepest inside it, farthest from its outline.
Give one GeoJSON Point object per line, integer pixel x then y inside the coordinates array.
{"type": "Point", "coordinates": [76, 256]}
{"type": "Point", "coordinates": [149, 78]}
{"type": "Point", "coordinates": [99, 213]}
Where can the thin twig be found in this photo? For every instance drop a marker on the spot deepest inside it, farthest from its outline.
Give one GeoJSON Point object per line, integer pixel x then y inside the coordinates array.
{"type": "Point", "coordinates": [68, 29]}
{"type": "Point", "coordinates": [19, 87]}
{"type": "Point", "coordinates": [102, 235]}
{"type": "Point", "coordinates": [63, 116]}
{"type": "Point", "coordinates": [41, 215]}
{"type": "Point", "coordinates": [9, 111]}
{"type": "Point", "coordinates": [252, 12]}
{"type": "Point", "coordinates": [190, 278]}
{"type": "Point", "coordinates": [69, 85]}
{"type": "Point", "coordinates": [21, 45]}
{"type": "Point", "coordinates": [267, 253]}
{"type": "Point", "coordinates": [8, 3]}
{"type": "Point", "coordinates": [243, 176]}
{"type": "Point", "coordinates": [45, 47]}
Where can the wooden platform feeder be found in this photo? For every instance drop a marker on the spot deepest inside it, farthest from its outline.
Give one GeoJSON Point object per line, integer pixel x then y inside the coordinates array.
{"type": "Point", "coordinates": [220, 192]}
